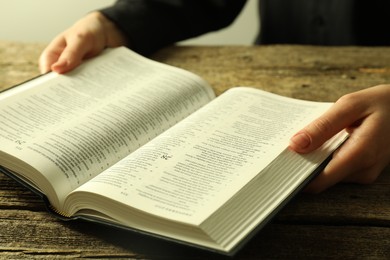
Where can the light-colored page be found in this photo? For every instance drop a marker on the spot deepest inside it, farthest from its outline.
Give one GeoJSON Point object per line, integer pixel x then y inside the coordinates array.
{"type": "Point", "coordinates": [71, 127]}
{"type": "Point", "coordinates": [195, 167]}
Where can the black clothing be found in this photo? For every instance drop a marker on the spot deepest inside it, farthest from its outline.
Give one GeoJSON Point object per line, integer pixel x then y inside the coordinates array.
{"type": "Point", "coordinates": [325, 22]}
{"type": "Point", "coordinates": [152, 24]}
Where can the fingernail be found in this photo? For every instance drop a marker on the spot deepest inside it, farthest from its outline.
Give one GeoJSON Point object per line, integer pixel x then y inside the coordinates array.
{"type": "Point", "coordinates": [300, 140]}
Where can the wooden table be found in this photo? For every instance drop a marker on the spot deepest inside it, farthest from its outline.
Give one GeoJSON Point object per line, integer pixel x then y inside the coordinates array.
{"type": "Point", "coordinates": [346, 221]}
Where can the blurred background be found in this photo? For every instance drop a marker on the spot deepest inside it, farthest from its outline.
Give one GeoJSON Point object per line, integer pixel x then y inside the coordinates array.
{"type": "Point", "coordinates": [42, 20]}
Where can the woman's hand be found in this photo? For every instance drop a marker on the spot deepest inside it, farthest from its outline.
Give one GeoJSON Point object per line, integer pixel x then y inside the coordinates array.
{"type": "Point", "coordinates": [85, 39]}
{"type": "Point", "coordinates": [366, 116]}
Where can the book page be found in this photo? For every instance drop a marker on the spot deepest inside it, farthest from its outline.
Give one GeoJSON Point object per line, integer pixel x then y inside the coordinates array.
{"type": "Point", "coordinates": [71, 127]}
{"type": "Point", "coordinates": [196, 166]}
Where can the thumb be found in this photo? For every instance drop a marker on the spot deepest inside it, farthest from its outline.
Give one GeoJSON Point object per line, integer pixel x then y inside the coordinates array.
{"type": "Point", "coordinates": [78, 47]}
{"type": "Point", "coordinates": [70, 58]}
{"type": "Point", "coordinates": [343, 114]}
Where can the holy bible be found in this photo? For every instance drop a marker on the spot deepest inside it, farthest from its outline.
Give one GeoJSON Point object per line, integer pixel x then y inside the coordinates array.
{"type": "Point", "coordinates": [141, 145]}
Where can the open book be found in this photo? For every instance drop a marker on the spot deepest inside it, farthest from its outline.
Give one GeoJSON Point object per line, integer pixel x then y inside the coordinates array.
{"type": "Point", "coordinates": [142, 145]}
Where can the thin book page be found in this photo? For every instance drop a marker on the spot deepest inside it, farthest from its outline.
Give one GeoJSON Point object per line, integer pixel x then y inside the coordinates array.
{"type": "Point", "coordinates": [195, 167]}
{"type": "Point", "coordinates": [267, 192]}
{"type": "Point", "coordinates": [71, 127]}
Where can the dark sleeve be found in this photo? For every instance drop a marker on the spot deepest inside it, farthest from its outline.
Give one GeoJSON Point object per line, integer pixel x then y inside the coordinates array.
{"type": "Point", "coordinates": [152, 24]}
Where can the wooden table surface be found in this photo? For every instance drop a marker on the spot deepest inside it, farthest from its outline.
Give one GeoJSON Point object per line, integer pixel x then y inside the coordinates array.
{"type": "Point", "coordinates": [346, 221]}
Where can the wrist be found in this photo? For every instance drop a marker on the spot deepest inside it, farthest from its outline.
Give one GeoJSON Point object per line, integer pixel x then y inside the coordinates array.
{"type": "Point", "coordinates": [114, 37]}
